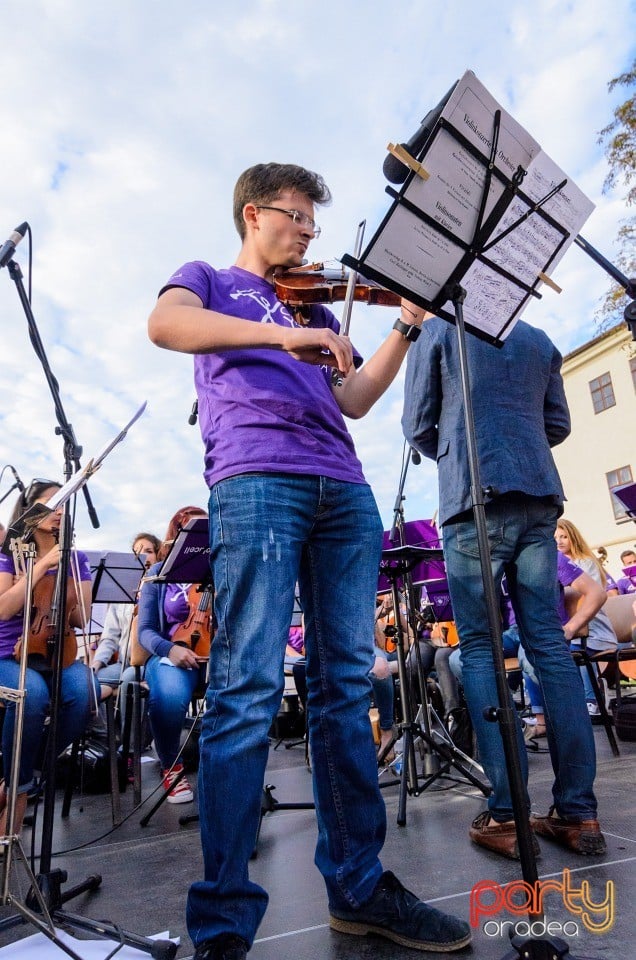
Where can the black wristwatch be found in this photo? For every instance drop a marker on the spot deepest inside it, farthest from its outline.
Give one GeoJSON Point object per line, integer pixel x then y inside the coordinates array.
{"type": "Point", "coordinates": [410, 331]}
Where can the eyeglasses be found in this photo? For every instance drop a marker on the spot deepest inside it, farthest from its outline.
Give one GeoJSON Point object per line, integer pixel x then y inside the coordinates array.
{"type": "Point", "coordinates": [296, 215]}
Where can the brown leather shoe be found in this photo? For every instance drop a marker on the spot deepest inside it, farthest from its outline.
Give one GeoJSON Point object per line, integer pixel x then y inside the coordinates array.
{"type": "Point", "coordinates": [500, 838]}
{"type": "Point", "coordinates": [584, 837]}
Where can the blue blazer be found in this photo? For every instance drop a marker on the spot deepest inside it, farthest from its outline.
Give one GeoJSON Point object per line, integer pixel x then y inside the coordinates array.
{"type": "Point", "coordinates": [519, 405]}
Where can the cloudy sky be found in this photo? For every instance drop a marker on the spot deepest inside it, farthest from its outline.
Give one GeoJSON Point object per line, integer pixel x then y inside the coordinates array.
{"type": "Point", "coordinates": [124, 127]}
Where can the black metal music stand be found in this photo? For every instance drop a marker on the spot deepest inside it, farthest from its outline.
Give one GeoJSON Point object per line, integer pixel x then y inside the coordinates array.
{"type": "Point", "coordinates": [49, 882]}
{"type": "Point", "coordinates": [396, 565]}
{"type": "Point", "coordinates": [115, 578]}
{"type": "Point", "coordinates": [627, 497]}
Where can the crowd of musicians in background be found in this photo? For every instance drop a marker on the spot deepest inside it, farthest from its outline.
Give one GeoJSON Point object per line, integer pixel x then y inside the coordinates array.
{"type": "Point", "coordinates": [155, 634]}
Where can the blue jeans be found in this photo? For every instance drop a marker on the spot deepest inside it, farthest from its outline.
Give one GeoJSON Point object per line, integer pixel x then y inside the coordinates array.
{"type": "Point", "coordinates": [170, 691]}
{"type": "Point", "coordinates": [77, 701]}
{"type": "Point", "coordinates": [120, 679]}
{"type": "Point", "coordinates": [521, 537]}
{"type": "Point", "coordinates": [511, 648]}
{"type": "Point", "coordinates": [383, 696]}
{"type": "Point", "coordinates": [267, 532]}
{"type": "Point", "coordinates": [438, 659]}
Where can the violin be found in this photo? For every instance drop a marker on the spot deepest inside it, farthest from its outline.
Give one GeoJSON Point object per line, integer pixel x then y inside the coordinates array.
{"type": "Point", "coordinates": [196, 630]}
{"type": "Point", "coordinates": [44, 619]}
{"type": "Point", "coordinates": [444, 634]}
{"type": "Point", "coordinates": [300, 287]}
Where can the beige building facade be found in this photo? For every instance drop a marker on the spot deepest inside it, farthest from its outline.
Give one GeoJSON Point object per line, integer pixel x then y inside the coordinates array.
{"type": "Point", "coordinates": [600, 453]}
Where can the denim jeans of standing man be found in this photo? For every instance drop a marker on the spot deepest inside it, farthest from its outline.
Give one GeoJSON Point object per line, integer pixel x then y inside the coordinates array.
{"type": "Point", "coordinates": [521, 537]}
{"type": "Point", "coordinates": [268, 532]}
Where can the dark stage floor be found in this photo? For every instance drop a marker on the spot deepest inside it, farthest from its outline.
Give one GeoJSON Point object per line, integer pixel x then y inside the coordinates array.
{"type": "Point", "coordinates": [146, 871]}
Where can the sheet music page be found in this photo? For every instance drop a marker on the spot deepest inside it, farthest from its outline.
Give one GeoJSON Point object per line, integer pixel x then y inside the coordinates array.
{"type": "Point", "coordinates": [471, 110]}
{"type": "Point", "coordinates": [452, 194]}
{"type": "Point", "coordinates": [421, 258]}
{"type": "Point", "coordinates": [417, 255]}
{"type": "Point", "coordinates": [527, 249]}
{"type": "Point", "coordinates": [414, 254]}
{"type": "Point", "coordinates": [570, 207]}
{"type": "Point", "coordinates": [490, 300]}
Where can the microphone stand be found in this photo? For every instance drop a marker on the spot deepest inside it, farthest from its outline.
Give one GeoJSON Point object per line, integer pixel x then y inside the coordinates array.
{"type": "Point", "coordinates": [15, 486]}
{"type": "Point", "coordinates": [49, 882]}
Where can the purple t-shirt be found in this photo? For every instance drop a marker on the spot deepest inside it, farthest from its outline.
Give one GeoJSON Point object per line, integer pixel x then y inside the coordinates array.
{"type": "Point", "coordinates": [627, 583]}
{"type": "Point", "coordinates": [11, 630]}
{"type": "Point", "coordinates": [175, 604]}
{"type": "Point", "coordinates": [296, 639]}
{"type": "Point", "coordinates": [567, 573]}
{"type": "Point", "coordinates": [259, 409]}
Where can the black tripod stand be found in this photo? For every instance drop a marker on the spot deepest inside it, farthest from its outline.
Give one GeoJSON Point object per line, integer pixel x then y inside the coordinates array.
{"type": "Point", "coordinates": [532, 948]}
{"type": "Point", "coordinates": [396, 564]}
{"type": "Point", "coordinates": [49, 898]}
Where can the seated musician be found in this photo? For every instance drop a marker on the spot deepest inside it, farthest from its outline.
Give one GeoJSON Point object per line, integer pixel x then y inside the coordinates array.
{"type": "Point", "coordinates": [384, 668]}
{"type": "Point", "coordinates": [174, 670]}
{"type": "Point", "coordinates": [627, 583]}
{"type": "Point", "coordinates": [78, 695]}
{"type": "Point", "coordinates": [111, 662]}
{"type": "Point", "coordinates": [572, 545]}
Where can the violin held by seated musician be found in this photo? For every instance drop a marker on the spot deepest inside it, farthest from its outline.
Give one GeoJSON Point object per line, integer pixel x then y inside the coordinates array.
{"type": "Point", "coordinates": [78, 691]}
{"type": "Point", "coordinates": [196, 630]}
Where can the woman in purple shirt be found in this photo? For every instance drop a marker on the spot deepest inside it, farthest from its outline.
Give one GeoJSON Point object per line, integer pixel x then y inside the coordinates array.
{"type": "Point", "coordinates": [174, 671]}
{"type": "Point", "coordinates": [78, 691]}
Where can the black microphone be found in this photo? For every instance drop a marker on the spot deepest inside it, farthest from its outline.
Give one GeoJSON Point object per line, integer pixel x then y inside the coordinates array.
{"type": "Point", "coordinates": [192, 419]}
{"type": "Point", "coordinates": [18, 482]}
{"type": "Point", "coordinates": [8, 248]}
{"type": "Point", "coordinates": [394, 170]}
{"type": "Point", "coordinates": [416, 457]}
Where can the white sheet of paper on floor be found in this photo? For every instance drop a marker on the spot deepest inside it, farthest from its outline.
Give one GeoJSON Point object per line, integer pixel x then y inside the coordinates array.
{"type": "Point", "coordinates": [39, 947]}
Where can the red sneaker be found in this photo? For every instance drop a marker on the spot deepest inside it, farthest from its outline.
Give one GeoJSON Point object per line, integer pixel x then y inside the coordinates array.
{"type": "Point", "coordinates": [180, 792]}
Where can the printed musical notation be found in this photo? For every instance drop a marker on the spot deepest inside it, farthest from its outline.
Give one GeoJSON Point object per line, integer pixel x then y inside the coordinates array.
{"type": "Point", "coordinates": [440, 228]}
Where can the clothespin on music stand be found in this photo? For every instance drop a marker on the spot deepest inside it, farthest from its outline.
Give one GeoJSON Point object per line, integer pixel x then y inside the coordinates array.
{"type": "Point", "coordinates": [405, 157]}
{"type": "Point", "coordinates": [544, 278]}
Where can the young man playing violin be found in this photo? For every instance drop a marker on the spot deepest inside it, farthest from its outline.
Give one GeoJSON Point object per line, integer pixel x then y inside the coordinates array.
{"type": "Point", "coordinates": [288, 503]}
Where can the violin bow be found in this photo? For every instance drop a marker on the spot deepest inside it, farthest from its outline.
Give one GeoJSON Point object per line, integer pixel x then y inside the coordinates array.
{"type": "Point", "coordinates": [351, 283]}
{"type": "Point", "coordinates": [336, 377]}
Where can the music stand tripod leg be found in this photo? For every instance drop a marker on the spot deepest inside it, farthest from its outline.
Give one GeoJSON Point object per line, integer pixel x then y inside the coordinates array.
{"type": "Point", "coordinates": [504, 712]}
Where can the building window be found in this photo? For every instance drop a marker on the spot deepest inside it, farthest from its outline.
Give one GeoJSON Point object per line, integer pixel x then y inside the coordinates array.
{"type": "Point", "coordinates": [602, 393]}
{"type": "Point", "coordinates": [632, 367]}
{"type": "Point", "coordinates": [618, 478]}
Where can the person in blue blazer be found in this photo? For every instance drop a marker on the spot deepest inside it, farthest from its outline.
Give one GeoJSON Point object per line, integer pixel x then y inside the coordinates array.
{"type": "Point", "coordinates": [520, 412]}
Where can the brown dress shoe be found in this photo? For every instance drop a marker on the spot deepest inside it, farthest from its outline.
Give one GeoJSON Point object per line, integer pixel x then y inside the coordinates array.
{"type": "Point", "coordinates": [584, 837]}
{"type": "Point", "coordinates": [500, 838]}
